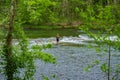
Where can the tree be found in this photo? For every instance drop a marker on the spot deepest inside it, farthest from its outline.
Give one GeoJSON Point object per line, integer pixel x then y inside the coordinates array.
{"type": "Point", "coordinates": [8, 46]}
{"type": "Point", "coordinates": [105, 24]}
{"type": "Point", "coordinates": [17, 58]}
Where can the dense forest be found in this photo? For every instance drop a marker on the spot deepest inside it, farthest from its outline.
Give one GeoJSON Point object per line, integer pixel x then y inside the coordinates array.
{"type": "Point", "coordinates": [62, 12]}
{"type": "Point", "coordinates": [102, 16]}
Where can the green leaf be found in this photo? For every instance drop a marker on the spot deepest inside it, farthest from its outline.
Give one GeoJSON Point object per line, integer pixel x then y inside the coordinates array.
{"type": "Point", "coordinates": [88, 68]}
{"type": "Point", "coordinates": [96, 62]}
{"type": "Point", "coordinates": [104, 67]}
{"type": "Point", "coordinates": [98, 49]}
{"type": "Point", "coordinates": [45, 77]}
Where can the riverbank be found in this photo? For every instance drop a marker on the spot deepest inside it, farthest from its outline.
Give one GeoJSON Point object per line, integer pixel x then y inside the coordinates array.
{"type": "Point", "coordinates": [60, 25]}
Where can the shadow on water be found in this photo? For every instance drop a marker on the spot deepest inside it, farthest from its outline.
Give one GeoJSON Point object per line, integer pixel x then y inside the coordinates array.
{"type": "Point", "coordinates": [51, 32]}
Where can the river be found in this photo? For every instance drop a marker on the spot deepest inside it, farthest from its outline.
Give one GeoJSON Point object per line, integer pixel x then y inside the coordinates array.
{"type": "Point", "coordinates": [73, 56]}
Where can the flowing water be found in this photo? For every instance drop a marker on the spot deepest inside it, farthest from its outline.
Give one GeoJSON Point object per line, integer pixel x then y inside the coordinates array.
{"type": "Point", "coordinates": [73, 56]}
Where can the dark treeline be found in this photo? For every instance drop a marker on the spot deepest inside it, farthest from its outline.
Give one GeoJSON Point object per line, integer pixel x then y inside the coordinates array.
{"type": "Point", "coordinates": [62, 12]}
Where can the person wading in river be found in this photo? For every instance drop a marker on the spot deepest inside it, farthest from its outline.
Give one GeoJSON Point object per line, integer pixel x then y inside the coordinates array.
{"type": "Point", "coordinates": [57, 38]}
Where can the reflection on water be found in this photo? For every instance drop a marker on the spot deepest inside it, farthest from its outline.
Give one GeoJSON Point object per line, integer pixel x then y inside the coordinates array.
{"type": "Point", "coordinates": [41, 33]}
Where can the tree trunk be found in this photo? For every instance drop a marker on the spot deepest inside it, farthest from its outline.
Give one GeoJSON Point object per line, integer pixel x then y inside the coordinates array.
{"type": "Point", "coordinates": [65, 11]}
{"type": "Point", "coordinates": [115, 2]}
{"type": "Point", "coordinates": [10, 31]}
{"type": "Point", "coordinates": [109, 57]}
{"type": "Point", "coordinates": [8, 46]}
{"type": "Point", "coordinates": [109, 51]}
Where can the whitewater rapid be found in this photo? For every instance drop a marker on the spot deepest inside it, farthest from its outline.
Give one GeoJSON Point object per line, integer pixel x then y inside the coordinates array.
{"type": "Point", "coordinates": [81, 39]}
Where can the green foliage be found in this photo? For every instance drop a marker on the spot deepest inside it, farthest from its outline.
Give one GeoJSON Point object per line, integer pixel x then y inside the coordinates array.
{"type": "Point", "coordinates": [2, 35]}
{"type": "Point", "coordinates": [96, 62]}
{"type": "Point", "coordinates": [88, 68]}
{"type": "Point", "coordinates": [36, 50]}
{"type": "Point", "coordinates": [37, 11]}
{"type": "Point", "coordinates": [21, 63]}
{"type": "Point", "coordinates": [44, 77]}
{"type": "Point", "coordinates": [4, 21]}
{"type": "Point", "coordinates": [116, 76]}
{"type": "Point", "coordinates": [84, 15]}
{"type": "Point", "coordinates": [26, 58]}
{"type": "Point", "coordinates": [98, 15]}
{"type": "Point", "coordinates": [104, 67]}
{"type": "Point", "coordinates": [104, 22]}
{"type": "Point", "coordinates": [47, 12]}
